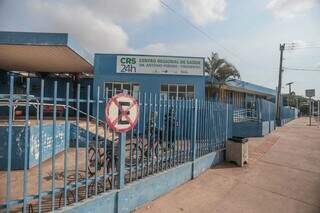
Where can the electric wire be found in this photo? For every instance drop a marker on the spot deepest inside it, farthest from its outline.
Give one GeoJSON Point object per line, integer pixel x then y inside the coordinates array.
{"type": "Point", "coordinates": [301, 69]}
{"type": "Point", "coordinates": [197, 28]}
{"type": "Point", "coordinates": [302, 45]}
{"type": "Point", "coordinates": [300, 48]}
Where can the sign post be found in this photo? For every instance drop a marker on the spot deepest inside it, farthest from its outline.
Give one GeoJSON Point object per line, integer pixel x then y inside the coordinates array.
{"type": "Point", "coordinates": [310, 93]}
{"type": "Point", "coordinates": [122, 113]}
{"type": "Point", "coordinates": [310, 111]}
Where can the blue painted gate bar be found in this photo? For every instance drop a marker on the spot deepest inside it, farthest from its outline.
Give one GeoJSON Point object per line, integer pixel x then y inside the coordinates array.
{"type": "Point", "coordinates": [70, 158]}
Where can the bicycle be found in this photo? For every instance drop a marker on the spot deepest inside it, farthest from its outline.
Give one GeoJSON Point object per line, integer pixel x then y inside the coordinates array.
{"type": "Point", "coordinates": [155, 140]}
{"type": "Point", "coordinates": [158, 139]}
{"type": "Point", "coordinates": [102, 158]}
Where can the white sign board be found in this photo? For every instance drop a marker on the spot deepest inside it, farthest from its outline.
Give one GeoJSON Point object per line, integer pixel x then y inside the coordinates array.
{"type": "Point", "coordinates": [310, 93]}
{"type": "Point", "coordinates": [162, 65]}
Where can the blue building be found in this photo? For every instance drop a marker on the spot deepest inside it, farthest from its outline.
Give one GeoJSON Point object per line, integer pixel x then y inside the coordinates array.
{"type": "Point", "coordinates": [171, 76]}
{"type": "Point", "coordinates": [48, 56]}
{"type": "Point", "coordinates": [56, 56]}
{"type": "Point", "coordinates": [239, 93]}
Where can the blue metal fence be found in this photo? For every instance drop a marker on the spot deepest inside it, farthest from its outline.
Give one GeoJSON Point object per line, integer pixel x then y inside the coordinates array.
{"type": "Point", "coordinates": [266, 110]}
{"type": "Point", "coordinates": [259, 120]}
{"type": "Point", "coordinates": [77, 156]}
{"type": "Point", "coordinates": [288, 114]}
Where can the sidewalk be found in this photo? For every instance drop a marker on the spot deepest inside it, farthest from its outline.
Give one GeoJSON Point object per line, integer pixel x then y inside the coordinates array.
{"type": "Point", "coordinates": [283, 175]}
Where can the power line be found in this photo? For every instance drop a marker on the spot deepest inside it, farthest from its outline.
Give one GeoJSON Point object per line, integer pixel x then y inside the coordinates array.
{"type": "Point", "coordinates": [302, 69]}
{"type": "Point", "coordinates": [301, 58]}
{"type": "Point", "coordinates": [300, 48]}
{"type": "Point", "coordinates": [197, 28]}
{"type": "Point", "coordinates": [305, 55]}
{"type": "Point", "coordinates": [312, 42]}
{"type": "Point", "coordinates": [302, 45]}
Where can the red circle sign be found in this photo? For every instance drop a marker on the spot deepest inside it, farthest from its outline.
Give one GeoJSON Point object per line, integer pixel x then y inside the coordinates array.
{"type": "Point", "coordinates": [122, 112]}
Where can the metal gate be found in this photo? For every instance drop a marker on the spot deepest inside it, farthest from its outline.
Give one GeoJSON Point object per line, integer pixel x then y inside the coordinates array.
{"type": "Point", "coordinates": [57, 150]}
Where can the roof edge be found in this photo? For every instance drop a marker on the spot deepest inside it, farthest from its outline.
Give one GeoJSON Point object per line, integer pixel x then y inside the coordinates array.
{"type": "Point", "coordinates": [46, 39]}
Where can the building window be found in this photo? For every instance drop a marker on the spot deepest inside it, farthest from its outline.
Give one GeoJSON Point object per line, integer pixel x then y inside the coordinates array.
{"type": "Point", "coordinates": [177, 91]}
{"type": "Point", "coordinates": [250, 101]}
{"type": "Point", "coordinates": [113, 88]}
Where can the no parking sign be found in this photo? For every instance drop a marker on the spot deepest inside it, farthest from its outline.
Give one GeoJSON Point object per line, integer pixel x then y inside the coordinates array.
{"type": "Point", "coordinates": [122, 112]}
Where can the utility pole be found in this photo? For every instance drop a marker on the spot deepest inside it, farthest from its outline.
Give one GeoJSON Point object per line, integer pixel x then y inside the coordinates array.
{"type": "Point", "coordinates": [278, 99]}
{"type": "Point", "coordinates": [289, 96]}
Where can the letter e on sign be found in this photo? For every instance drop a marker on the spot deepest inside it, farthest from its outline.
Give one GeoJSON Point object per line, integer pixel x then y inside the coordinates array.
{"type": "Point", "coordinates": [122, 112]}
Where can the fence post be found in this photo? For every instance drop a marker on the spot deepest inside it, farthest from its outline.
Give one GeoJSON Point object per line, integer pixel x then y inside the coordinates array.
{"type": "Point", "coordinates": [121, 162]}
{"type": "Point", "coordinates": [194, 139]}
{"type": "Point", "coordinates": [227, 121]}
{"type": "Point", "coordinates": [9, 145]}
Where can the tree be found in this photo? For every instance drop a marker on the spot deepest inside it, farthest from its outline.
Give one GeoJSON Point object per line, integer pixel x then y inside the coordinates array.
{"type": "Point", "coordinates": [220, 71]}
{"type": "Point", "coordinates": [297, 101]}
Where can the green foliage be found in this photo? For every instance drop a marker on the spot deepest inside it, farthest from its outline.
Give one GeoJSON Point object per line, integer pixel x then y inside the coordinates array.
{"type": "Point", "coordinates": [219, 70]}
{"type": "Point", "coordinates": [293, 100]}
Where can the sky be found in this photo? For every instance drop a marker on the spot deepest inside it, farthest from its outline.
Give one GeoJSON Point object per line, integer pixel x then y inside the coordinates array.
{"type": "Point", "coordinates": [246, 33]}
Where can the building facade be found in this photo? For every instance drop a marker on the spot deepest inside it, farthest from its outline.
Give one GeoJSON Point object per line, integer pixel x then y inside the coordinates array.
{"type": "Point", "coordinates": [171, 76]}
{"type": "Point", "coordinates": [239, 93]}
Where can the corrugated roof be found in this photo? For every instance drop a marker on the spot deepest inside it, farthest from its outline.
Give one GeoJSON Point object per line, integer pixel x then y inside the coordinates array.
{"type": "Point", "coordinates": [248, 87]}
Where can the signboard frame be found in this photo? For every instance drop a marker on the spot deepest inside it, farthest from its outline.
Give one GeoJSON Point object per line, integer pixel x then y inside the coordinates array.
{"type": "Point", "coordinates": [159, 65]}
{"type": "Point", "coordinates": [310, 93]}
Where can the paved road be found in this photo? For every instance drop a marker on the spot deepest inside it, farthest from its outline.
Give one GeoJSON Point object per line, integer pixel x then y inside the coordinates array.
{"type": "Point", "coordinates": [283, 175]}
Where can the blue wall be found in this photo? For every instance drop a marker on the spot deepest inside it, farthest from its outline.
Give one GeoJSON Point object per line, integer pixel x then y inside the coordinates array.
{"type": "Point", "coordinates": [105, 70]}
{"type": "Point", "coordinates": [247, 129]}
{"type": "Point", "coordinates": [18, 144]}
{"type": "Point", "coordinates": [253, 128]}
{"type": "Point", "coordinates": [140, 192]}
{"type": "Point", "coordinates": [17, 161]}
